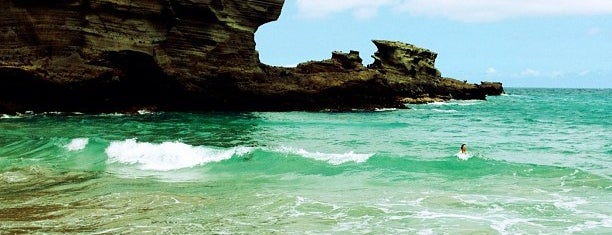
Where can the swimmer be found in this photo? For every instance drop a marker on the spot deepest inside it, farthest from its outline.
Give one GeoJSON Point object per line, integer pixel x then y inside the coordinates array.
{"type": "Point", "coordinates": [464, 149]}
{"type": "Point", "coordinates": [463, 153]}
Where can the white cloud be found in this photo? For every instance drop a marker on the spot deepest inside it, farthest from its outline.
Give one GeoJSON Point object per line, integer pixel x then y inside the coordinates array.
{"type": "Point", "coordinates": [460, 10]}
{"type": "Point", "coordinates": [362, 9]}
{"type": "Point", "coordinates": [365, 13]}
{"type": "Point", "coordinates": [530, 73]}
{"type": "Point", "coordinates": [491, 71]}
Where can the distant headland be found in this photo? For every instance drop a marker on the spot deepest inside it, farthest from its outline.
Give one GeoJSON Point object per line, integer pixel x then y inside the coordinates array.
{"type": "Point", "coordinates": [121, 56]}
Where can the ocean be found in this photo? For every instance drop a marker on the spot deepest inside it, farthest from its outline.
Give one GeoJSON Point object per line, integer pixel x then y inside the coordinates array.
{"type": "Point", "coordinates": [540, 162]}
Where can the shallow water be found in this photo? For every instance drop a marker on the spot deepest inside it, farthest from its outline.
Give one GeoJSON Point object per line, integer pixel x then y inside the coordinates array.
{"type": "Point", "coordinates": [540, 163]}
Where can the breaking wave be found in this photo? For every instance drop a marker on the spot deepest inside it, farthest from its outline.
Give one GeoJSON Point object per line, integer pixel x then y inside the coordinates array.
{"type": "Point", "coordinates": [332, 158]}
{"type": "Point", "coordinates": [167, 156]}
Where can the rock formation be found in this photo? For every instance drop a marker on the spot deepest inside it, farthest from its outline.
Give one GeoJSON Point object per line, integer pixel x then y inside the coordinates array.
{"type": "Point", "coordinates": [404, 59]}
{"type": "Point", "coordinates": [122, 55]}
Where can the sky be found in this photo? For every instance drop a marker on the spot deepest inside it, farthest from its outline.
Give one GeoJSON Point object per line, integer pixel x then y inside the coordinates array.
{"type": "Point", "coordinates": [521, 43]}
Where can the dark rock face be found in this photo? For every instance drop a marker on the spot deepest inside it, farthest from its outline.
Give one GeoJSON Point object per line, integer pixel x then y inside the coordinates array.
{"type": "Point", "coordinates": [123, 55]}
{"type": "Point", "coordinates": [492, 88]}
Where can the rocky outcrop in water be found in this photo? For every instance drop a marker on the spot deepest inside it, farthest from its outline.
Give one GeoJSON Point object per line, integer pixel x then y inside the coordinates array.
{"type": "Point", "coordinates": [404, 59]}
{"type": "Point", "coordinates": [401, 73]}
{"type": "Point", "coordinates": [122, 55]}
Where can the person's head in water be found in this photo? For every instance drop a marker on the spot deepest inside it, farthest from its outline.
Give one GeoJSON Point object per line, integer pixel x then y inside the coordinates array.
{"type": "Point", "coordinates": [464, 148]}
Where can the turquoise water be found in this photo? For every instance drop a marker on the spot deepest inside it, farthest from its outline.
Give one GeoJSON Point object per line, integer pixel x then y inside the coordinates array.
{"type": "Point", "coordinates": [540, 162]}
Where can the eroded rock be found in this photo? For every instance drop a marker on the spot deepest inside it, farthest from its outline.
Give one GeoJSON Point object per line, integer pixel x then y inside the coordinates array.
{"type": "Point", "coordinates": [404, 58]}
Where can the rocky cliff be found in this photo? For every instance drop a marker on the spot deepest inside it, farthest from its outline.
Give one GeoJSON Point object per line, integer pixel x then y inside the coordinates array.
{"type": "Point", "coordinates": [122, 55]}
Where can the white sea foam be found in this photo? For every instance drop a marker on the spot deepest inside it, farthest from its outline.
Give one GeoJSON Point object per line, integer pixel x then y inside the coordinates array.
{"type": "Point", "coordinates": [568, 203]}
{"type": "Point", "coordinates": [502, 226]}
{"type": "Point", "coordinates": [77, 144]}
{"type": "Point", "coordinates": [52, 113]}
{"type": "Point", "coordinates": [144, 111]}
{"type": "Point", "coordinates": [332, 158]}
{"type": "Point", "coordinates": [513, 95]}
{"type": "Point", "coordinates": [167, 156]}
{"type": "Point", "coordinates": [585, 226]}
{"type": "Point", "coordinates": [29, 114]}
{"type": "Point", "coordinates": [457, 103]}
{"type": "Point", "coordinates": [112, 114]}
{"type": "Point", "coordinates": [445, 110]}
{"type": "Point", "coordinates": [6, 116]}
{"type": "Point", "coordinates": [435, 215]}
{"type": "Point", "coordinates": [463, 156]}
{"type": "Point", "coordinates": [438, 103]}
{"type": "Point", "coordinates": [385, 109]}
{"type": "Point", "coordinates": [426, 232]}
{"type": "Point", "coordinates": [497, 222]}
{"type": "Point", "coordinates": [468, 102]}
